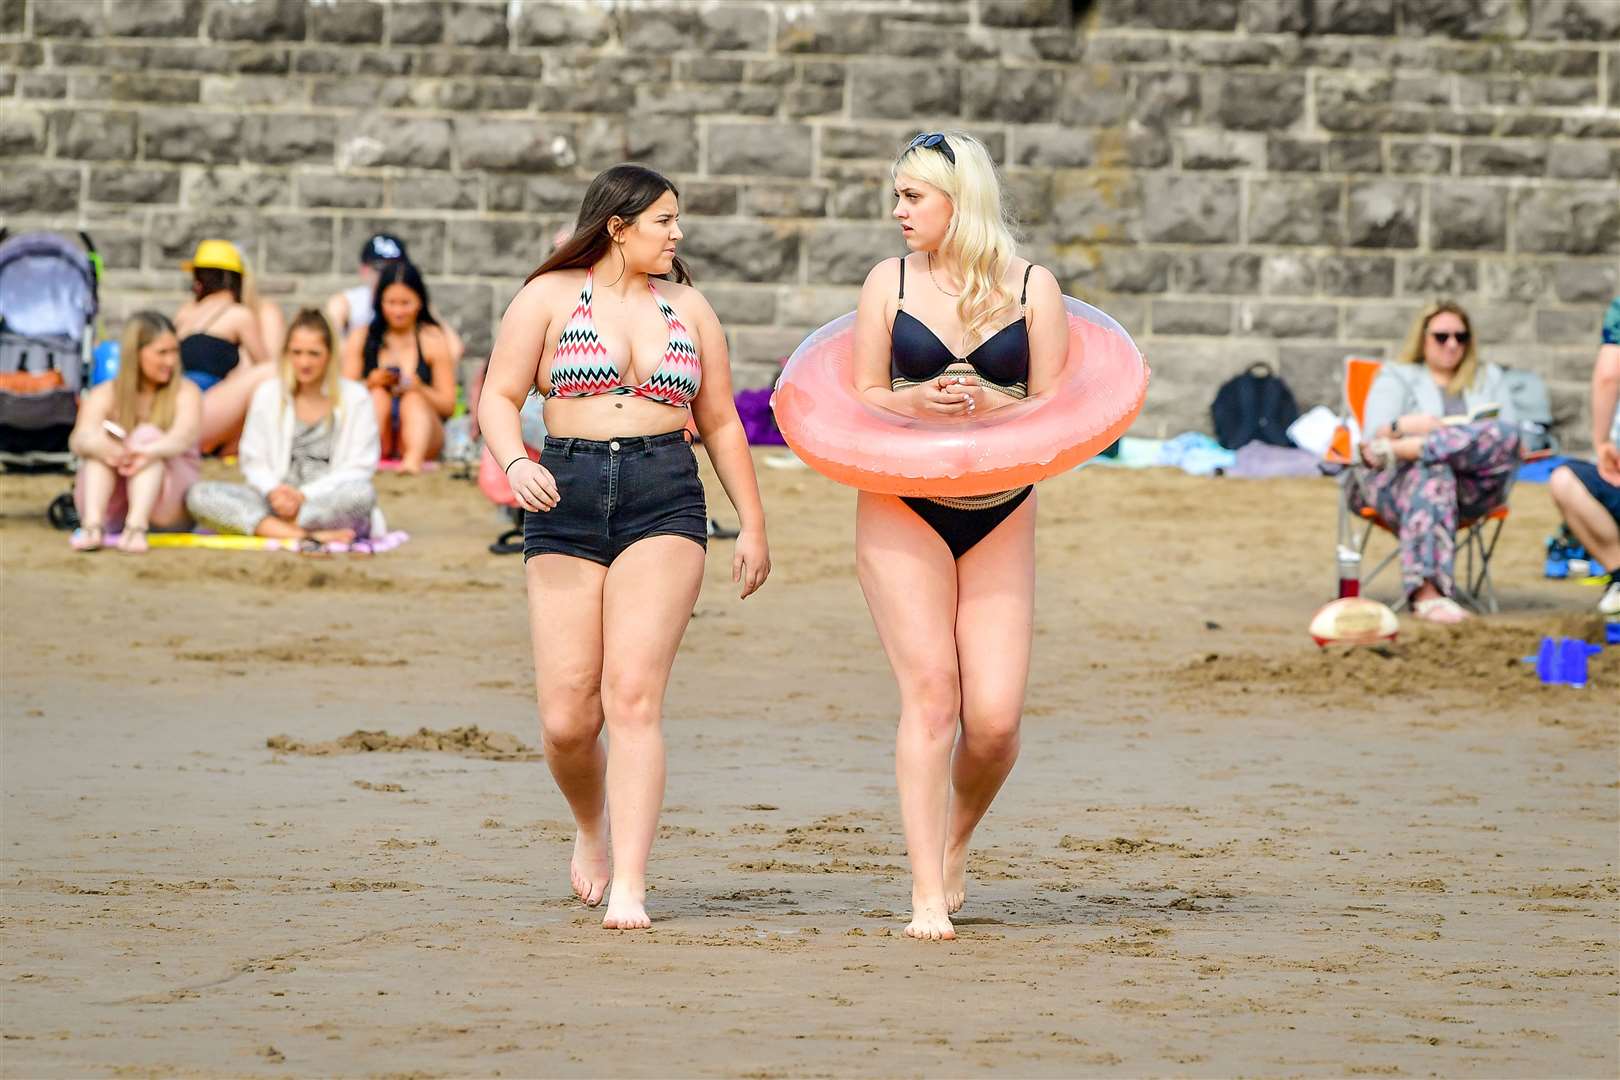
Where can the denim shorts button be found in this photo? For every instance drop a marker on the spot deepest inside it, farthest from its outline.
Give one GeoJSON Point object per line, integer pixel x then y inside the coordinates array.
{"type": "Point", "coordinates": [614, 445]}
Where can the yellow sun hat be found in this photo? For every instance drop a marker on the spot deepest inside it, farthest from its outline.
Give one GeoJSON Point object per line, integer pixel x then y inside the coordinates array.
{"type": "Point", "coordinates": [214, 255]}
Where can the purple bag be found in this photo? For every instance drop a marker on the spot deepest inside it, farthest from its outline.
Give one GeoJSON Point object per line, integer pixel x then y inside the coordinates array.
{"type": "Point", "coordinates": [759, 423]}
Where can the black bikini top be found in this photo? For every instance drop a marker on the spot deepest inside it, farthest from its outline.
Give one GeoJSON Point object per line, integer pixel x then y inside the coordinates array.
{"type": "Point", "coordinates": [916, 353]}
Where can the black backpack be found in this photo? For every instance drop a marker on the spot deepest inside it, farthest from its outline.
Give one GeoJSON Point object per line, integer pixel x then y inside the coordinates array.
{"type": "Point", "coordinates": [1254, 405]}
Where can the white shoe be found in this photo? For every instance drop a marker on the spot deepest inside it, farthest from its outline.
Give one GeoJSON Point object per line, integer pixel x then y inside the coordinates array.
{"type": "Point", "coordinates": [1609, 604]}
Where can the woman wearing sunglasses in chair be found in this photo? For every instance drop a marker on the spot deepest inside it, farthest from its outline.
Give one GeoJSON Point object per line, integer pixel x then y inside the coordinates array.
{"type": "Point", "coordinates": [1440, 447]}
{"type": "Point", "coordinates": [958, 326]}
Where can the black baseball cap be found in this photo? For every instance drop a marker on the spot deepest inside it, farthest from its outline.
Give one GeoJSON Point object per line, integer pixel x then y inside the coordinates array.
{"type": "Point", "coordinates": [381, 248]}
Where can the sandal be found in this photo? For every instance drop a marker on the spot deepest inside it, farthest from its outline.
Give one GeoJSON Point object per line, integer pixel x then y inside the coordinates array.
{"type": "Point", "coordinates": [1440, 609]}
{"type": "Point", "coordinates": [133, 541]}
{"type": "Point", "coordinates": [88, 538]}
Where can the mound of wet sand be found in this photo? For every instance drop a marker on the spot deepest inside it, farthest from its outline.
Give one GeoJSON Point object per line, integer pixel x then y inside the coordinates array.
{"type": "Point", "coordinates": [1483, 657]}
{"type": "Point", "coordinates": [469, 741]}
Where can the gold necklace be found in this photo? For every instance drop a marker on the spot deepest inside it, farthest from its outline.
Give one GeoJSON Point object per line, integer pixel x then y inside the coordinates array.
{"type": "Point", "coordinates": [931, 277]}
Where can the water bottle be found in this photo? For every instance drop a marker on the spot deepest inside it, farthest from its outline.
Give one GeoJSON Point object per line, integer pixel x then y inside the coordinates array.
{"type": "Point", "coordinates": [1349, 572]}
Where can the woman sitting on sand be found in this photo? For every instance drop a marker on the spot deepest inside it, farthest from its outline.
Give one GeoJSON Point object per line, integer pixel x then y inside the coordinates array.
{"type": "Point", "coordinates": [309, 450]}
{"type": "Point", "coordinates": [960, 326]}
{"type": "Point", "coordinates": [403, 357]}
{"type": "Point", "coordinates": [137, 436]}
{"type": "Point", "coordinates": [216, 328]}
{"type": "Point", "coordinates": [614, 538]}
{"type": "Point", "coordinates": [1441, 444]}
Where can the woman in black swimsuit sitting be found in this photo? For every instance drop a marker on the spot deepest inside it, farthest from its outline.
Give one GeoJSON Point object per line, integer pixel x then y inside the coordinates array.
{"type": "Point", "coordinates": [958, 327]}
{"type": "Point", "coordinates": [222, 346]}
{"type": "Point", "coordinates": [403, 357]}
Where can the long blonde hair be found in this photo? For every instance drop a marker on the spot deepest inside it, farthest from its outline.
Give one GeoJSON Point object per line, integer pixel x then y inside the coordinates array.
{"type": "Point", "coordinates": [143, 328]}
{"type": "Point", "coordinates": [313, 319]}
{"type": "Point", "coordinates": [981, 240]}
{"type": "Point", "coordinates": [1412, 352]}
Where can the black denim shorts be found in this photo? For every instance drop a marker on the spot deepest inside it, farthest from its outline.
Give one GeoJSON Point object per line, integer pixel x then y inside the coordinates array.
{"type": "Point", "coordinates": [611, 494]}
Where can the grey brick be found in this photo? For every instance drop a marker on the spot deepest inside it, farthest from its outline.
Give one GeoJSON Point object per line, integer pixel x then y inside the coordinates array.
{"type": "Point", "coordinates": [438, 192]}
{"type": "Point", "coordinates": [760, 149]}
{"type": "Point", "coordinates": [1573, 221]}
{"type": "Point", "coordinates": [154, 18]}
{"type": "Point", "coordinates": [1359, 276]}
{"type": "Point", "coordinates": [286, 138]}
{"type": "Point", "coordinates": [1273, 319]}
{"type": "Point", "coordinates": [35, 189]}
{"type": "Point", "coordinates": [738, 251]}
{"type": "Point", "coordinates": [1221, 272]}
{"type": "Point", "coordinates": [124, 184]}
{"type": "Point", "coordinates": [1585, 281]}
{"type": "Point", "coordinates": [378, 139]}
{"type": "Point", "coordinates": [352, 22]}
{"type": "Point", "coordinates": [1467, 216]}
{"type": "Point", "coordinates": [417, 23]}
{"type": "Point", "coordinates": [1192, 317]}
{"type": "Point", "coordinates": [1384, 213]}
{"type": "Point", "coordinates": [207, 188]}
{"type": "Point", "coordinates": [904, 91]}
{"type": "Point", "coordinates": [22, 131]}
{"type": "Point", "coordinates": [344, 192]}
{"type": "Point", "coordinates": [1431, 277]}
{"type": "Point", "coordinates": [191, 135]}
{"type": "Point", "coordinates": [560, 23]}
{"type": "Point", "coordinates": [1294, 212]}
{"type": "Point", "coordinates": [257, 20]}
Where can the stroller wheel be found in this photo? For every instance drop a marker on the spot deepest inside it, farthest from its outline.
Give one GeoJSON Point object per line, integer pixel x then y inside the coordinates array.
{"type": "Point", "coordinates": [62, 513]}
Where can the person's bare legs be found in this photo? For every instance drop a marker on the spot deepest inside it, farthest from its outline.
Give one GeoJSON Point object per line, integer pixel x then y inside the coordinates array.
{"type": "Point", "coordinates": [421, 432]}
{"type": "Point", "coordinates": [1586, 518]}
{"type": "Point", "coordinates": [225, 405]}
{"type": "Point", "coordinates": [909, 579]}
{"type": "Point", "coordinates": [565, 625]}
{"type": "Point", "coordinates": [97, 481]}
{"type": "Point", "coordinates": [143, 489]}
{"type": "Point", "coordinates": [646, 603]}
{"type": "Point", "coordinates": [382, 404]}
{"type": "Point", "coordinates": [995, 620]}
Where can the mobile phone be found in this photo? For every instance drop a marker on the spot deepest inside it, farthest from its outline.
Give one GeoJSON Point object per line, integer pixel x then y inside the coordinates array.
{"type": "Point", "coordinates": [114, 430]}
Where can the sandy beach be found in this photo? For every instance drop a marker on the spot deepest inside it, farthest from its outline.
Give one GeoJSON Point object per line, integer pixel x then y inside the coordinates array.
{"type": "Point", "coordinates": [1223, 852]}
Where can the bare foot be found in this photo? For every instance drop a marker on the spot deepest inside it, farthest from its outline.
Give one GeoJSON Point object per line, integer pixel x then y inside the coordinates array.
{"type": "Point", "coordinates": [590, 868]}
{"type": "Point", "coordinates": [410, 467]}
{"type": "Point", "coordinates": [627, 910]}
{"type": "Point", "coordinates": [332, 536]}
{"type": "Point", "coordinates": [955, 878]}
{"type": "Point", "coordinates": [929, 921]}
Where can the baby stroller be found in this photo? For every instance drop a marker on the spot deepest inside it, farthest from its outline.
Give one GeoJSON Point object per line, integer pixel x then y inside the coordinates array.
{"type": "Point", "coordinates": [48, 304]}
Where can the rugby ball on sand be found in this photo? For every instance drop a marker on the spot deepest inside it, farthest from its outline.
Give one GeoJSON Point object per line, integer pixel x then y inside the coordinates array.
{"type": "Point", "coordinates": [1354, 620]}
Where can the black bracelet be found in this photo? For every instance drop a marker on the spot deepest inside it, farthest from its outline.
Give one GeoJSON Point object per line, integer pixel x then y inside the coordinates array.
{"type": "Point", "coordinates": [513, 462]}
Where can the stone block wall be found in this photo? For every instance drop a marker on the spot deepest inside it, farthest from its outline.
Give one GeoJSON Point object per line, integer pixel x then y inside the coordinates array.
{"type": "Point", "coordinates": [1237, 180]}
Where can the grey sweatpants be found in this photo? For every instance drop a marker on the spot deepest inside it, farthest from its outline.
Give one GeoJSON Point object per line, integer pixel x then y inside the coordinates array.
{"type": "Point", "coordinates": [238, 508]}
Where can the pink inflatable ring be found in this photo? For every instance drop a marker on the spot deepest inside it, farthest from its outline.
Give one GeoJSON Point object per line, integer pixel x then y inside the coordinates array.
{"type": "Point", "coordinates": [1097, 396]}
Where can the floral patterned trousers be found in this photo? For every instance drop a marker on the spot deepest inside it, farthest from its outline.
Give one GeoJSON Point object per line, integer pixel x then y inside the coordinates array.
{"type": "Point", "coordinates": [1463, 474]}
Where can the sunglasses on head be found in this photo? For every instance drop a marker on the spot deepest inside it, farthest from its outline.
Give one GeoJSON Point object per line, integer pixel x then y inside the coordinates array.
{"type": "Point", "coordinates": [1444, 336]}
{"type": "Point", "coordinates": [933, 140]}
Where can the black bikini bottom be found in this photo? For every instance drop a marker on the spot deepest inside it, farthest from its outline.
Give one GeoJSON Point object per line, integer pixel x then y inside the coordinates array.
{"type": "Point", "coordinates": [961, 529]}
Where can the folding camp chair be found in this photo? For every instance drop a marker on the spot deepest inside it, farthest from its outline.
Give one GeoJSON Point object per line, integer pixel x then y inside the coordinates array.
{"type": "Point", "coordinates": [1476, 538]}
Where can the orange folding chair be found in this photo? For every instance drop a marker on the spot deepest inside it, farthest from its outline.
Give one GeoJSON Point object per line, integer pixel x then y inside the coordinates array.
{"type": "Point", "coordinates": [1476, 538]}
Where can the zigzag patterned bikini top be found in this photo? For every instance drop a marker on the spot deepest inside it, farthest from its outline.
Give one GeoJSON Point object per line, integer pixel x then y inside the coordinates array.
{"type": "Point", "coordinates": [581, 366]}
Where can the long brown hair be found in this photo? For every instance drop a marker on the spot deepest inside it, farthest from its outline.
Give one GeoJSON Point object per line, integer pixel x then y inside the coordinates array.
{"type": "Point", "coordinates": [1412, 352]}
{"type": "Point", "coordinates": [623, 191]}
{"type": "Point", "coordinates": [143, 328]}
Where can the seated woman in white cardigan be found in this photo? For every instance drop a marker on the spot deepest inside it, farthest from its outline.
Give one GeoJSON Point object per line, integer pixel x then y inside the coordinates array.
{"type": "Point", "coordinates": [309, 448]}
